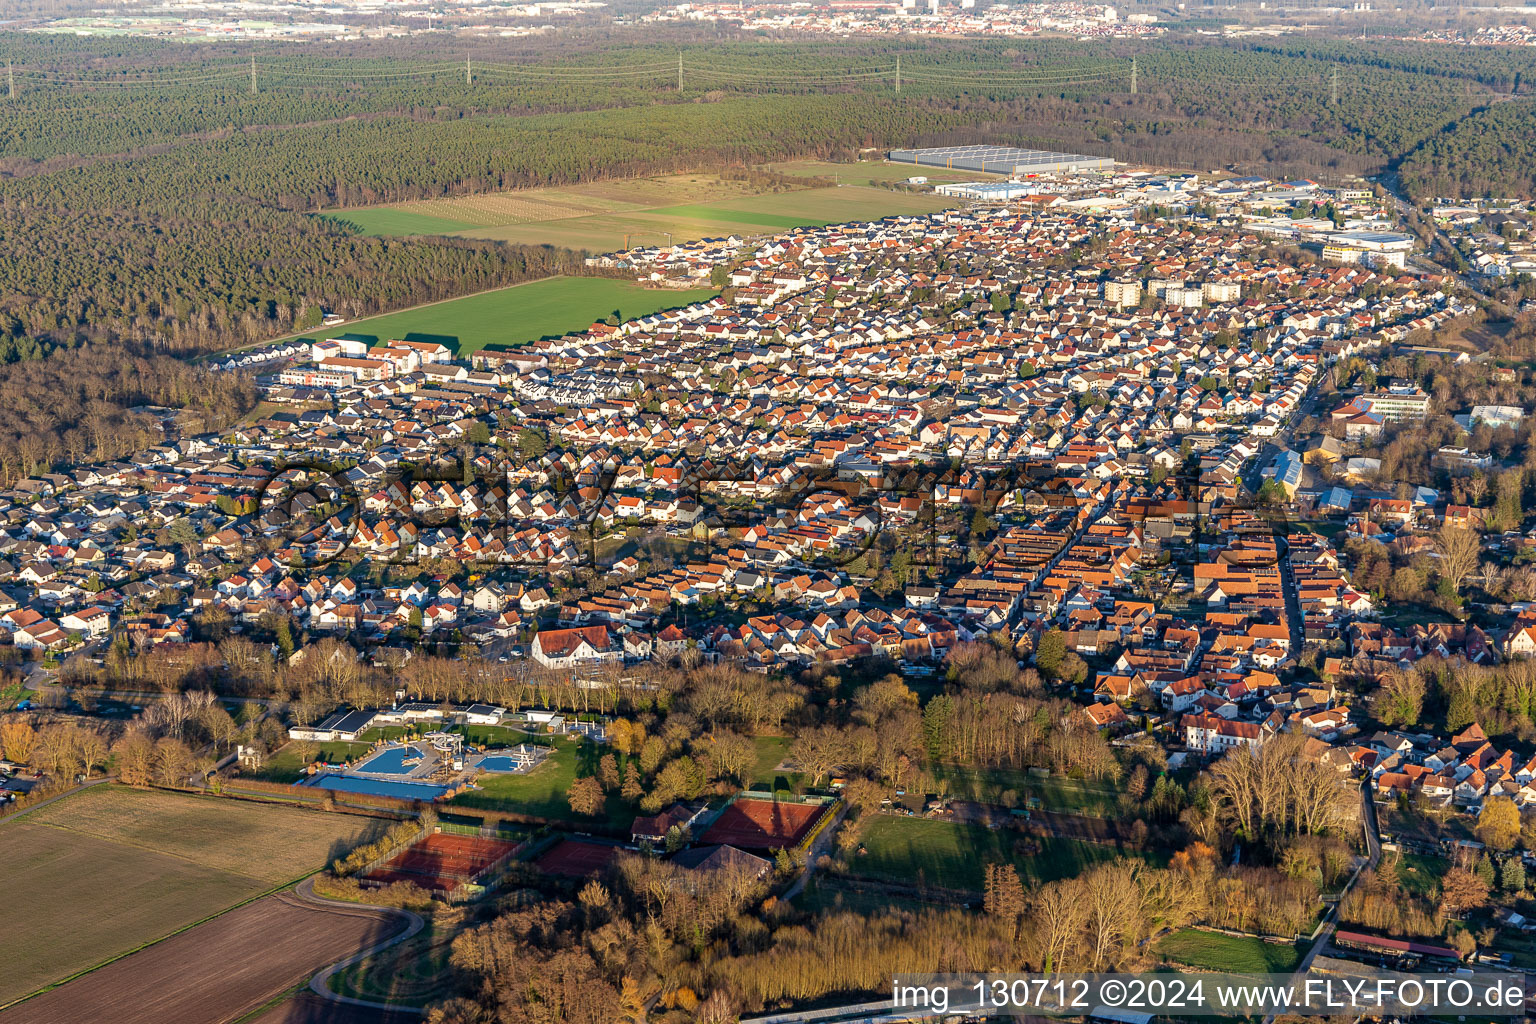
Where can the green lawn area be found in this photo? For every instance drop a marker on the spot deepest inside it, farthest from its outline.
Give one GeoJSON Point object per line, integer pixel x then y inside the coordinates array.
{"type": "Point", "coordinates": [1420, 874]}
{"type": "Point", "coordinates": [498, 736]}
{"type": "Point", "coordinates": [285, 765]}
{"type": "Point", "coordinates": [543, 792]}
{"type": "Point", "coordinates": [386, 220]}
{"type": "Point", "coordinates": [953, 855]}
{"type": "Point", "coordinates": [516, 315]}
{"type": "Point", "coordinates": [1055, 793]}
{"type": "Point", "coordinates": [770, 751]}
{"type": "Point", "coordinates": [1218, 952]}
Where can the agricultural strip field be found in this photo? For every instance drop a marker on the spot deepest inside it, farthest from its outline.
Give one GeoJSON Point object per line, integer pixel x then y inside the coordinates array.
{"type": "Point", "coordinates": [1217, 952]}
{"type": "Point", "coordinates": [605, 216]}
{"type": "Point", "coordinates": [138, 865]}
{"type": "Point", "coordinates": [954, 856]}
{"type": "Point", "coordinates": [750, 215]}
{"type": "Point", "coordinates": [216, 972]}
{"type": "Point", "coordinates": [516, 315]}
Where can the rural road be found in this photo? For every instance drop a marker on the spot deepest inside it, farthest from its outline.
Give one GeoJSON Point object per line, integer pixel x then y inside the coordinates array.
{"type": "Point", "coordinates": [56, 796]}
{"type": "Point", "coordinates": [817, 849]}
{"type": "Point", "coordinates": [1373, 857]}
{"type": "Point", "coordinates": [320, 983]}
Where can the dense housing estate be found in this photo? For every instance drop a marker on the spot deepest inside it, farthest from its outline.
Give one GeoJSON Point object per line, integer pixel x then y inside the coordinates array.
{"type": "Point", "coordinates": [1088, 392]}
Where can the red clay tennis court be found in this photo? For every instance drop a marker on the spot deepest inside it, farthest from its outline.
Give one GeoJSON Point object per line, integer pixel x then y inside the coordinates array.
{"type": "Point", "coordinates": [576, 859]}
{"type": "Point", "coordinates": [443, 861]}
{"type": "Point", "coordinates": [763, 824]}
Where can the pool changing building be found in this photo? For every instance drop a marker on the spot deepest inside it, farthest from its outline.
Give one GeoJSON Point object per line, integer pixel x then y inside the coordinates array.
{"type": "Point", "coordinates": [1002, 160]}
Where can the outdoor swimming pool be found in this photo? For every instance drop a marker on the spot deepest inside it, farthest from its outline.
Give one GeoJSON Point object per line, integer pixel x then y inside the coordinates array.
{"type": "Point", "coordinates": [378, 787]}
{"type": "Point", "coordinates": [500, 763]}
{"type": "Point", "coordinates": [389, 761]}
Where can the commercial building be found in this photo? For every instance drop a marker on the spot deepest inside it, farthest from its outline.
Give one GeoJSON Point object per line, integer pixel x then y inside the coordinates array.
{"type": "Point", "coordinates": [998, 191]}
{"type": "Point", "coordinates": [1396, 404]}
{"type": "Point", "coordinates": [1002, 160]}
{"type": "Point", "coordinates": [1373, 248]}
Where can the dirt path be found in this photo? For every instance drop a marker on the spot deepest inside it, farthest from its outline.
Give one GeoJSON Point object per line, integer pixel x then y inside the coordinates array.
{"type": "Point", "coordinates": [320, 983]}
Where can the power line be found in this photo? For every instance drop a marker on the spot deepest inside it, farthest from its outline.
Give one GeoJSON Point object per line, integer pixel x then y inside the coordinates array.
{"type": "Point", "coordinates": [276, 73]}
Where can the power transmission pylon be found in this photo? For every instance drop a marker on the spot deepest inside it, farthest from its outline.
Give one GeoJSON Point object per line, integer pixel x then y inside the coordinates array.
{"type": "Point", "coordinates": [679, 70]}
{"type": "Point", "coordinates": [469, 76]}
{"type": "Point", "coordinates": [1133, 76]}
{"type": "Point", "coordinates": [253, 75]}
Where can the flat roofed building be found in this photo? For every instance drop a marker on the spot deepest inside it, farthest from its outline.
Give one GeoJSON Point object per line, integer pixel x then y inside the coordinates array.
{"type": "Point", "coordinates": [1002, 160]}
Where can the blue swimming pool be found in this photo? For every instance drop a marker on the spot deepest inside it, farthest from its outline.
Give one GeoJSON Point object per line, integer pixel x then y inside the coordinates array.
{"type": "Point", "coordinates": [499, 763]}
{"type": "Point", "coordinates": [378, 787]}
{"type": "Point", "coordinates": [389, 761]}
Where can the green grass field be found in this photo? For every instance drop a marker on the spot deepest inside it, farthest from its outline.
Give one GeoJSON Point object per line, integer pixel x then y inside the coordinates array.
{"type": "Point", "coordinates": [516, 315]}
{"type": "Point", "coordinates": [953, 856]}
{"type": "Point", "coordinates": [285, 765]}
{"type": "Point", "coordinates": [104, 871]}
{"type": "Point", "coordinates": [1055, 793]}
{"type": "Point", "coordinates": [386, 220]}
{"type": "Point", "coordinates": [770, 751]}
{"type": "Point", "coordinates": [1218, 952]}
{"type": "Point", "coordinates": [544, 791]}
{"type": "Point", "coordinates": [1420, 874]}
{"type": "Point", "coordinates": [413, 973]}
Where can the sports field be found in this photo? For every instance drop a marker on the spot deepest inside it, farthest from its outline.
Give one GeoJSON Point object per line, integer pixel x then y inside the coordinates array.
{"type": "Point", "coordinates": [606, 216]}
{"type": "Point", "coordinates": [111, 868]}
{"type": "Point", "coordinates": [576, 859]}
{"type": "Point", "coordinates": [763, 824]}
{"type": "Point", "coordinates": [1217, 952]}
{"type": "Point", "coordinates": [954, 856]}
{"type": "Point", "coordinates": [516, 315]}
{"type": "Point", "coordinates": [443, 860]}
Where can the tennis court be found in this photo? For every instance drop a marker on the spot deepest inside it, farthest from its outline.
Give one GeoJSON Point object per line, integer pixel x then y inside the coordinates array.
{"type": "Point", "coordinates": [763, 824]}
{"type": "Point", "coordinates": [443, 861]}
{"type": "Point", "coordinates": [576, 859]}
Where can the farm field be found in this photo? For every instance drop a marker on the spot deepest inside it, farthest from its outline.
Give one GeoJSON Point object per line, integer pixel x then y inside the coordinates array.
{"type": "Point", "coordinates": [515, 315]}
{"type": "Point", "coordinates": [139, 866]}
{"type": "Point", "coordinates": [953, 856]}
{"type": "Point", "coordinates": [603, 216]}
{"type": "Point", "coordinates": [747, 215]}
{"type": "Point", "coordinates": [1218, 952]}
{"type": "Point", "coordinates": [272, 844]}
{"type": "Point", "coordinates": [216, 972]}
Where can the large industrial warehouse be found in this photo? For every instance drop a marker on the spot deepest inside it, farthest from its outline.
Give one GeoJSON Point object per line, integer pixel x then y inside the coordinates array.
{"type": "Point", "coordinates": [1002, 160]}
